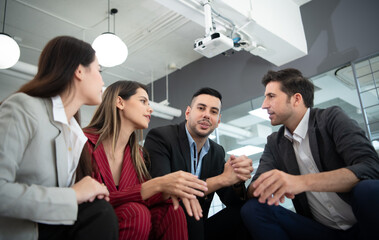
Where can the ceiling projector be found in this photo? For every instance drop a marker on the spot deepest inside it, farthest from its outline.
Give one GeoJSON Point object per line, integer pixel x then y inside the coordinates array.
{"type": "Point", "coordinates": [213, 45]}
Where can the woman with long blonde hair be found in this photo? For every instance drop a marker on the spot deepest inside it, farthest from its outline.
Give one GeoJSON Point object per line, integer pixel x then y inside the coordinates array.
{"type": "Point", "coordinates": [143, 205]}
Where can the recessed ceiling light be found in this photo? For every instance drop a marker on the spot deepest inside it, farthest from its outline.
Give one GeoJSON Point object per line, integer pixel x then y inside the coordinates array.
{"type": "Point", "coordinates": [246, 150]}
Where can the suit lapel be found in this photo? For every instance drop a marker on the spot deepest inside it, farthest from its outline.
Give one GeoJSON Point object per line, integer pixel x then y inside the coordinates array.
{"type": "Point", "coordinates": [60, 148]}
{"type": "Point", "coordinates": [313, 140]}
{"type": "Point", "coordinates": [61, 158]}
{"type": "Point", "coordinates": [206, 164]}
{"type": "Point", "coordinates": [184, 146]}
{"type": "Point", "coordinates": [289, 157]}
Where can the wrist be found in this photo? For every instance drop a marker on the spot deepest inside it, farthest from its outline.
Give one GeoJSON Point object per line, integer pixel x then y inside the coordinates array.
{"type": "Point", "coordinates": [224, 181]}
{"type": "Point", "coordinates": [150, 188]}
{"type": "Point", "coordinates": [157, 183]}
{"type": "Point", "coordinates": [305, 183]}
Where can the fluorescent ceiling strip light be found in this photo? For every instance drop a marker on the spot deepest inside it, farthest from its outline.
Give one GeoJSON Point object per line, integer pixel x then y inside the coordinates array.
{"type": "Point", "coordinates": [259, 112]}
{"type": "Point", "coordinates": [246, 150]}
{"type": "Point", "coordinates": [24, 70]}
{"type": "Point", "coordinates": [233, 131]}
{"type": "Point", "coordinates": [162, 115]}
{"type": "Point", "coordinates": [170, 111]}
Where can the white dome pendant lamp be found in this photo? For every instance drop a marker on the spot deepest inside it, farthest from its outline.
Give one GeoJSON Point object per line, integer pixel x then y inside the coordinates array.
{"type": "Point", "coordinates": [9, 49]}
{"type": "Point", "coordinates": [110, 49]}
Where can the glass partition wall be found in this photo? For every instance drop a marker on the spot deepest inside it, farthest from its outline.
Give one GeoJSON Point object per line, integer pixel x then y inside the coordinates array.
{"type": "Point", "coordinates": [245, 127]}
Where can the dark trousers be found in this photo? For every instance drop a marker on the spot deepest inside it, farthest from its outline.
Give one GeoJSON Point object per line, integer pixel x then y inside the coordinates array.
{"type": "Point", "coordinates": [226, 224]}
{"type": "Point", "coordinates": [96, 220]}
{"type": "Point", "coordinates": [275, 222]}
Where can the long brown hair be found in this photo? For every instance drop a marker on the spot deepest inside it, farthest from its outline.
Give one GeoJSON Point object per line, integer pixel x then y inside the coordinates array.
{"type": "Point", "coordinates": [107, 123]}
{"type": "Point", "coordinates": [56, 67]}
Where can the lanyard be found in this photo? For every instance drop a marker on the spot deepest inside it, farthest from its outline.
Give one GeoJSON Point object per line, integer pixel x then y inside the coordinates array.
{"type": "Point", "coordinates": [196, 161]}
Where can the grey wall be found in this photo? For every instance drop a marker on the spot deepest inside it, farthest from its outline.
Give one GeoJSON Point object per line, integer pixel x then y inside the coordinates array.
{"type": "Point", "coordinates": [337, 32]}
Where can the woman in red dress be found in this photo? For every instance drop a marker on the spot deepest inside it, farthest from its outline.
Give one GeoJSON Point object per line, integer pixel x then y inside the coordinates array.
{"type": "Point", "coordinates": [146, 208]}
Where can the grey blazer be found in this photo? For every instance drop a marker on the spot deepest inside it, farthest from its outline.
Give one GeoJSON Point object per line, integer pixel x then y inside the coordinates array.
{"type": "Point", "coordinates": [336, 141]}
{"type": "Point", "coordinates": [33, 169]}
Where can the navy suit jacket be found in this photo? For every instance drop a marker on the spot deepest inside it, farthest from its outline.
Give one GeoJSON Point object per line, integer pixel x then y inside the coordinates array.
{"type": "Point", "coordinates": [169, 151]}
{"type": "Point", "coordinates": [336, 141]}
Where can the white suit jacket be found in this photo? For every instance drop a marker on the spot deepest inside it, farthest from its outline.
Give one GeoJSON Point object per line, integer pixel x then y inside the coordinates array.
{"type": "Point", "coordinates": [33, 169]}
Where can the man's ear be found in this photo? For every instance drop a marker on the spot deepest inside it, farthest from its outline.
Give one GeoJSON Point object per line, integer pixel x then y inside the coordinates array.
{"type": "Point", "coordinates": [298, 99]}
{"type": "Point", "coordinates": [120, 103]}
{"type": "Point", "coordinates": [188, 110]}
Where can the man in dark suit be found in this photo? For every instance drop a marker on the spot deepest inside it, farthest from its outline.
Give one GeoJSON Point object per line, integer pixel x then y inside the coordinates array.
{"type": "Point", "coordinates": [186, 147]}
{"type": "Point", "coordinates": [322, 157]}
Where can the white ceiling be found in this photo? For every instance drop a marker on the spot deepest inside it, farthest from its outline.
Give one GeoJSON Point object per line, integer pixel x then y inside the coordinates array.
{"type": "Point", "coordinates": [156, 36]}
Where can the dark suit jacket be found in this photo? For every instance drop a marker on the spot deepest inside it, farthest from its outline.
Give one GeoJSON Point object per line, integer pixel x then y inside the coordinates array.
{"type": "Point", "coordinates": [169, 151]}
{"type": "Point", "coordinates": [336, 141]}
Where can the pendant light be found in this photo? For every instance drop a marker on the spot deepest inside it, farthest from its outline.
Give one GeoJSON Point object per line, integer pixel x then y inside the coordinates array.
{"type": "Point", "coordinates": [110, 49]}
{"type": "Point", "coordinates": [9, 49]}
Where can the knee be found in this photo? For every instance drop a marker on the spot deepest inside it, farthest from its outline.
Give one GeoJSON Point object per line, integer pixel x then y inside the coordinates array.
{"type": "Point", "coordinates": [176, 214]}
{"type": "Point", "coordinates": [250, 207]}
{"type": "Point", "coordinates": [176, 218]}
{"type": "Point", "coordinates": [366, 192]}
{"type": "Point", "coordinates": [366, 187]}
{"type": "Point", "coordinates": [254, 212]}
{"type": "Point", "coordinates": [105, 214]}
{"type": "Point", "coordinates": [134, 215]}
{"type": "Point", "coordinates": [105, 210]}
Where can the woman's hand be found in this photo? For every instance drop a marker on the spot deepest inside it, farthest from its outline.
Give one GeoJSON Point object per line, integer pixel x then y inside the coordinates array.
{"type": "Point", "coordinates": [88, 189]}
{"type": "Point", "coordinates": [182, 184]}
{"type": "Point", "coordinates": [193, 208]}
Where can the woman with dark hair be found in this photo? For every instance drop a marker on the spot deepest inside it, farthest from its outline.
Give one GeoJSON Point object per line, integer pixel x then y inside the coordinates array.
{"type": "Point", "coordinates": [141, 203]}
{"type": "Point", "coordinates": [40, 146]}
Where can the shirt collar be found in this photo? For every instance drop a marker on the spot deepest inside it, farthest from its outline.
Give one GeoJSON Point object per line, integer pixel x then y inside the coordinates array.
{"type": "Point", "coordinates": [301, 129]}
{"type": "Point", "coordinates": [58, 110]}
{"type": "Point", "coordinates": [191, 141]}
{"type": "Point", "coordinates": [60, 116]}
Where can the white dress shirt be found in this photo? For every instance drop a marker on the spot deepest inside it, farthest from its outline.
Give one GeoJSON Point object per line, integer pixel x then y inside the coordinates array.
{"type": "Point", "coordinates": [327, 207]}
{"type": "Point", "coordinates": [73, 137]}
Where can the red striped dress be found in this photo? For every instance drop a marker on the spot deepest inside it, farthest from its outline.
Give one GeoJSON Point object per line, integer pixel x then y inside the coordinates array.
{"type": "Point", "coordinates": [138, 219]}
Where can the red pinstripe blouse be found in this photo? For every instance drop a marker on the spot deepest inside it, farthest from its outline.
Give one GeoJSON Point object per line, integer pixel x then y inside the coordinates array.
{"type": "Point", "coordinates": [129, 188]}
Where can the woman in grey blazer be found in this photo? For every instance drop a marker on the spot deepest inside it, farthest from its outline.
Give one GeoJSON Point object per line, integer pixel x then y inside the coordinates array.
{"type": "Point", "coordinates": [40, 146]}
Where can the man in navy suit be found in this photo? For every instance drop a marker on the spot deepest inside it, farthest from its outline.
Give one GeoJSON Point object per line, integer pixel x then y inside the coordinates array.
{"type": "Point", "coordinates": [186, 147]}
{"type": "Point", "coordinates": [319, 158]}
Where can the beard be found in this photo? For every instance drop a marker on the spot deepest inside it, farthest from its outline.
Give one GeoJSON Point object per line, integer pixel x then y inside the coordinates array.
{"type": "Point", "coordinates": [198, 133]}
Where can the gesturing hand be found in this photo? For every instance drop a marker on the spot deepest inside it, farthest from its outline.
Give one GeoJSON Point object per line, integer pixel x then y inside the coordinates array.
{"type": "Point", "coordinates": [274, 185]}
{"type": "Point", "coordinates": [193, 208]}
{"type": "Point", "coordinates": [183, 185]}
{"type": "Point", "coordinates": [88, 189]}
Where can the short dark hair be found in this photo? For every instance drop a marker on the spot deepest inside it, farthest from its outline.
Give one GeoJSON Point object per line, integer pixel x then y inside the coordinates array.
{"type": "Point", "coordinates": [208, 91]}
{"type": "Point", "coordinates": [292, 82]}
